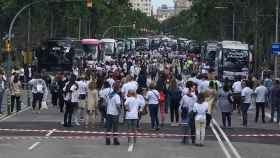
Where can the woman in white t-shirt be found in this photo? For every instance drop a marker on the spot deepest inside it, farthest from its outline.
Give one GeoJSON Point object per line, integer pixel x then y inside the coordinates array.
{"type": "Point", "coordinates": [132, 107]}
{"type": "Point", "coordinates": [152, 98]}
{"type": "Point", "coordinates": [200, 109]}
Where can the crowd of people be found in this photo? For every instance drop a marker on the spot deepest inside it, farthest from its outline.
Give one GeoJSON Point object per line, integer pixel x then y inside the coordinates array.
{"type": "Point", "coordinates": [131, 88]}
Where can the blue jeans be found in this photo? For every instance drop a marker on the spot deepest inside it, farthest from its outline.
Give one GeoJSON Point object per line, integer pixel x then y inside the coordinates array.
{"type": "Point", "coordinates": [244, 110]}
{"type": "Point", "coordinates": [153, 109]}
{"type": "Point", "coordinates": [1, 100]}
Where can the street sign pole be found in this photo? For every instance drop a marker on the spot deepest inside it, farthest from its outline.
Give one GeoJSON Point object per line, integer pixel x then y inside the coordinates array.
{"type": "Point", "coordinates": [276, 40]}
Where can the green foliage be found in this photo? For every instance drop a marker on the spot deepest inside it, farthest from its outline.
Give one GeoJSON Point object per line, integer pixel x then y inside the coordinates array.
{"type": "Point", "coordinates": [62, 19]}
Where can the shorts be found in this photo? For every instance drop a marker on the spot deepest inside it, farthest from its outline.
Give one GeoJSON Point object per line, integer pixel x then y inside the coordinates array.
{"type": "Point", "coordinates": [131, 124]}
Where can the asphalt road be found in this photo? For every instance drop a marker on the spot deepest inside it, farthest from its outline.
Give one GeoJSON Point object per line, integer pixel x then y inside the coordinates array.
{"type": "Point", "coordinates": [42, 136]}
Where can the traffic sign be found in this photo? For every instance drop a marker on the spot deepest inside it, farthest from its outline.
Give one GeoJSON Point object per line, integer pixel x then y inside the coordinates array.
{"type": "Point", "coordinates": [276, 48]}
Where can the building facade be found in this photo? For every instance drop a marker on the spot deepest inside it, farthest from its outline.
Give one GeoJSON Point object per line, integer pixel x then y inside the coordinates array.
{"type": "Point", "coordinates": [164, 12]}
{"type": "Point", "coordinates": [144, 6]}
{"type": "Point", "coordinates": [181, 5]}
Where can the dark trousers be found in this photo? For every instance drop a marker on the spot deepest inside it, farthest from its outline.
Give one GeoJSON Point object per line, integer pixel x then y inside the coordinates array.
{"type": "Point", "coordinates": [237, 101]}
{"type": "Point", "coordinates": [68, 113]}
{"type": "Point", "coordinates": [174, 111]}
{"type": "Point", "coordinates": [37, 98]}
{"type": "Point", "coordinates": [260, 105]}
{"type": "Point", "coordinates": [54, 99]}
{"type": "Point", "coordinates": [244, 110]}
{"type": "Point", "coordinates": [61, 101]}
{"type": "Point", "coordinates": [226, 117]}
{"type": "Point", "coordinates": [1, 100]}
{"type": "Point", "coordinates": [112, 123]}
{"type": "Point", "coordinates": [17, 100]}
{"type": "Point", "coordinates": [153, 109]}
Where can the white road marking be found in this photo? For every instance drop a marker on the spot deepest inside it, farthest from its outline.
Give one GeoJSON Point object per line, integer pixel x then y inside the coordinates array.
{"type": "Point", "coordinates": [50, 133]}
{"type": "Point", "coordinates": [14, 114]}
{"type": "Point", "coordinates": [234, 150]}
{"type": "Point", "coordinates": [33, 146]}
{"type": "Point", "coordinates": [226, 152]}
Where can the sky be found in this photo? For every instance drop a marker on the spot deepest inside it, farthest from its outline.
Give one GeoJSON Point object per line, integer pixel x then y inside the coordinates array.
{"type": "Point", "coordinates": [157, 3]}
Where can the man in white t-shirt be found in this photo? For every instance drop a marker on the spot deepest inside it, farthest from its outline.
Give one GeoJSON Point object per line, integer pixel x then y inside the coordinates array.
{"type": "Point", "coordinates": [236, 88]}
{"type": "Point", "coordinates": [261, 98]}
{"type": "Point", "coordinates": [113, 111]}
{"type": "Point", "coordinates": [246, 95]}
{"type": "Point", "coordinates": [130, 85]}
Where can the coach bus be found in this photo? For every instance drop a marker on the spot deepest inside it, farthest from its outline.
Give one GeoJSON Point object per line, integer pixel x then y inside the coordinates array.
{"type": "Point", "coordinates": [233, 59]}
{"type": "Point", "coordinates": [92, 48]}
{"type": "Point", "coordinates": [109, 48]}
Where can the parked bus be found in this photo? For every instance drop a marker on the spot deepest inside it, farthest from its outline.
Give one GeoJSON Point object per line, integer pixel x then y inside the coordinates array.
{"type": "Point", "coordinates": [109, 48]}
{"type": "Point", "coordinates": [92, 48]}
{"type": "Point", "coordinates": [233, 59]}
{"type": "Point", "coordinates": [58, 54]}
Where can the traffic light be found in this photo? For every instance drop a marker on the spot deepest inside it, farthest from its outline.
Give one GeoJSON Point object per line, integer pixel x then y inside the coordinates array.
{"type": "Point", "coordinates": [7, 46]}
{"type": "Point", "coordinates": [89, 3]}
{"type": "Point", "coordinates": [27, 56]}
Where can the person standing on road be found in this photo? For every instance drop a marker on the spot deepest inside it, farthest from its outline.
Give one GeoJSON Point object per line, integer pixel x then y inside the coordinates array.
{"type": "Point", "coordinates": [226, 106]}
{"type": "Point", "coordinates": [186, 105]}
{"type": "Point", "coordinates": [261, 93]}
{"type": "Point", "coordinates": [91, 105]}
{"type": "Point", "coordinates": [83, 88]}
{"type": "Point", "coordinates": [2, 90]}
{"type": "Point", "coordinates": [153, 97]}
{"type": "Point", "coordinates": [54, 88]}
{"type": "Point", "coordinates": [15, 94]}
{"type": "Point", "coordinates": [200, 109]}
{"type": "Point", "coordinates": [175, 97]}
{"type": "Point", "coordinates": [237, 88]}
{"type": "Point", "coordinates": [132, 107]}
{"type": "Point", "coordinates": [113, 110]}
{"type": "Point", "coordinates": [71, 100]}
{"type": "Point", "coordinates": [246, 95]}
{"type": "Point", "coordinates": [39, 88]}
{"type": "Point", "coordinates": [275, 101]}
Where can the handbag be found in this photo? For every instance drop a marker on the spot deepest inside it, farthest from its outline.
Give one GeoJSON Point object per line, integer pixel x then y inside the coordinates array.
{"type": "Point", "coordinates": [161, 97]}
{"type": "Point", "coordinates": [44, 105]}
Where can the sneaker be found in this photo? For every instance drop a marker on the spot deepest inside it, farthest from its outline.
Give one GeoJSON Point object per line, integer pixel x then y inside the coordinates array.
{"type": "Point", "coordinates": [116, 141]}
{"type": "Point", "coordinates": [108, 141]}
{"type": "Point", "coordinates": [77, 123]}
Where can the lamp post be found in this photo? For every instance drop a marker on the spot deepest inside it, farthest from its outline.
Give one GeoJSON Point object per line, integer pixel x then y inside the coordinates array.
{"type": "Point", "coordinates": [276, 39]}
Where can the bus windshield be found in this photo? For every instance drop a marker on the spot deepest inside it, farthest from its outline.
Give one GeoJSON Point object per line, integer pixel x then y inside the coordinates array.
{"type": "Point", "coordinates": [235, 58]}
{"type": "Point", "coordinates": [109, 48]}
{"type": "Point", "coordinates": [90, 49]}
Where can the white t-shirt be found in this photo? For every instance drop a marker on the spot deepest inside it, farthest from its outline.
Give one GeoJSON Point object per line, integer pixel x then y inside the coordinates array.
{"type": "Point", "coordinates": [141, 100]}
{"type": "Point", "coordinates": [75, 93]}
{"type": "Point", "coordinates": [247, 94]}
{"type": "Point", "coordinates": [114, 105]}
{"type": "Point", "coordinates": [111, 81]}
{"type": "Point", "coordinates": [237, 88]}
{"type": "Point", "coordinates": [134, 106]}
{"type": "Point", "coordinates": [104, 93]}
{"type": "Point", "coordinates": [201, 110]}
{"type": "Point", "coordinates": [188, 102]}
{"type": "Point", "coordinates": [153, 97]}
{"type": "Point", "coordinates": [203, 86]}
{"type": "Point", "coordinates": [130, 86]}
{"type": "Point", "coordinates": [83, 87]}
{"type": "Point", "coordinates": [261, 93]}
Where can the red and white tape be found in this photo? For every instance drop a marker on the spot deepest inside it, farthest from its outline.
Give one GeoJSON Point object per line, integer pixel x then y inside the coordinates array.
{"type": "Point", "coordinates": [126, 134]}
